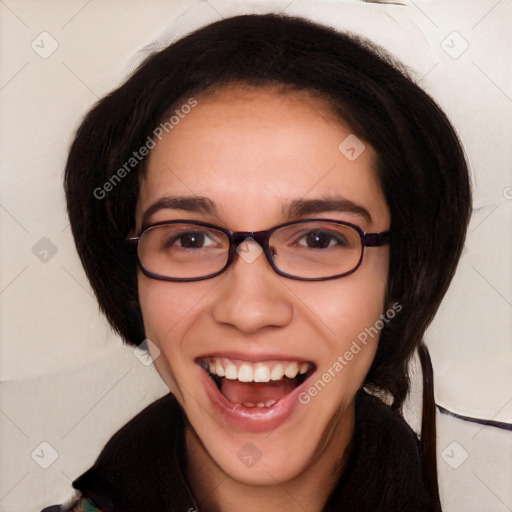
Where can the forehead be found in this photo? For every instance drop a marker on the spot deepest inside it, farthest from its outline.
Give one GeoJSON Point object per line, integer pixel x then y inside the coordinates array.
{"type": "Point", "coordinates": [252, 151]}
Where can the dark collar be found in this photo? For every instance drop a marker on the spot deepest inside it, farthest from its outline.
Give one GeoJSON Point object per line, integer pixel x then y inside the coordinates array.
{"type": "Point", "coordinates": [140, 468]}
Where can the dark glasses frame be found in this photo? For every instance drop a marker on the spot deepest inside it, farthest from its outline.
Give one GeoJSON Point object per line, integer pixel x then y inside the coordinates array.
{"type": "Point", "coordinates": [262, 238]}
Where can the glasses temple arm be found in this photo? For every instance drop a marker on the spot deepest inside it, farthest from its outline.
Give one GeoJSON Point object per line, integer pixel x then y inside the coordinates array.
{"type": "Point", "coordinates": [376, 239]}
{"type": "Point", "coordinates": [131, 242]}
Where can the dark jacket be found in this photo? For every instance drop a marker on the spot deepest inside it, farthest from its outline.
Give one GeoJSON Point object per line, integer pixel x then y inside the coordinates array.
{"type": "Point", "coordinates": [140, 468]}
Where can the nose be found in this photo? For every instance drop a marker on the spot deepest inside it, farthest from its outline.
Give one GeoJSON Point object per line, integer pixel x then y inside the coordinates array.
{"type": "Point", "coordinates": [251, 295]}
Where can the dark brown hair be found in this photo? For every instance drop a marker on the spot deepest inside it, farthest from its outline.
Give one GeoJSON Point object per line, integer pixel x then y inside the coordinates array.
{"type": "Point", "coordinates": [421, 168]}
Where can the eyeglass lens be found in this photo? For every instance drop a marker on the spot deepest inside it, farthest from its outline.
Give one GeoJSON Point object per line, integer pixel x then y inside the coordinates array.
{"type": "Point", "coordinates": [314, 249]}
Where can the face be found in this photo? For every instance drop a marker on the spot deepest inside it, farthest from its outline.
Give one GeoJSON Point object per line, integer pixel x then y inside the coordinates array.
{"type": "Point", "coordinates": [250, 155]}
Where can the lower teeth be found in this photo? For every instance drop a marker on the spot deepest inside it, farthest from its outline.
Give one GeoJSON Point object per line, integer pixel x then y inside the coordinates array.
{"type": "Point", "coordinates": [260, 404]}
{"type": "Point", "coordinates": [218, 380]}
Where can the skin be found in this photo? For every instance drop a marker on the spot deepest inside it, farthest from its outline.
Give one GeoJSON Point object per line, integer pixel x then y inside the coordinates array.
{"type": "Point", "coordinates": [251, 151]}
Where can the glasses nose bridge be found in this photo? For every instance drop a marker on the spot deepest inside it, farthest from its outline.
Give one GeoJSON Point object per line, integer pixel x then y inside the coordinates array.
{"type": "Point", "coordinates": [260, 237]}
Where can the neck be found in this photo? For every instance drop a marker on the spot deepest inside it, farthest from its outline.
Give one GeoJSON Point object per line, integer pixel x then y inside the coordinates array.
{"type": "Point", "coordinates": [216, 491]}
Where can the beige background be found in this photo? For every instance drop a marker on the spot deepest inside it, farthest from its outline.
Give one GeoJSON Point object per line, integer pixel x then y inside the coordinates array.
{"type": "Point", "coordinates": [66, 381]}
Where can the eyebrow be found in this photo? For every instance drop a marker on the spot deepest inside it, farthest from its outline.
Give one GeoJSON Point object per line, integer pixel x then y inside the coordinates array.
{"type": "Point", "coordinates": [296, 208]}
{"type": "Point", "coordinates": [304, 207]}
{"type": "Point", "coordinates": [187, 203]}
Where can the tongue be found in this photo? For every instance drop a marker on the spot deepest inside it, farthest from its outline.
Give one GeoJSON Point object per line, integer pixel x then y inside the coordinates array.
{"type": "Point", "coordinates": [253, 392]}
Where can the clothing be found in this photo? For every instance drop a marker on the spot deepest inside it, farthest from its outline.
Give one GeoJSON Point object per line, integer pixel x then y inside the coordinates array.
{"type": "Point", "coordinates": [140, 468]}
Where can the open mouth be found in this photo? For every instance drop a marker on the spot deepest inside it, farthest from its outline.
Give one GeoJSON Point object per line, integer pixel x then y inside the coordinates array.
{"type": "Point", "coordinates": [260, 384]}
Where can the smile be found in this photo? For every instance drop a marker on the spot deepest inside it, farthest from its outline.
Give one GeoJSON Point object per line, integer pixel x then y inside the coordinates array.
{"type": "Point", "coordinates": [254, 396]}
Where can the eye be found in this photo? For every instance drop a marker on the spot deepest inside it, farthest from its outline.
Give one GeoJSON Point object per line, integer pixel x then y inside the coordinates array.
{"type": "Point", "coordinates": [322, 239]}
{"type": "Point", "coordinates": [191, 239]}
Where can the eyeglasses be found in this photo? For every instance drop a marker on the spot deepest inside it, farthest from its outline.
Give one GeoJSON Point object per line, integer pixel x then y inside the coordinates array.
{"type": "Point", "coordinates": [308, 250]}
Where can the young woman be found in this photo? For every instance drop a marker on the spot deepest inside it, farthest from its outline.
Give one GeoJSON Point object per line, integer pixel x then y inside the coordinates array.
{"type": "Point", "coordinates": [279, 209]}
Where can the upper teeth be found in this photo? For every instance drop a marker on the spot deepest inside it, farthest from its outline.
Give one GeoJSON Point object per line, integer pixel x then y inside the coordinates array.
{"type": "Point", "coordinates": [255, 372]}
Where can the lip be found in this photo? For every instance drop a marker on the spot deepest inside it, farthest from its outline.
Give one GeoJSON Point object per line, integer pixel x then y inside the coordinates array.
{"type": "Point", "coordinates": [255, 419]}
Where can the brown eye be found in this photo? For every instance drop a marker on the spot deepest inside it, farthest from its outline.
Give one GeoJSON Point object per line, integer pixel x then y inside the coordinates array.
{"type": "Point", "coordinates": [321, 239]}
{"type": "Point", "coordinates": [189, 240]}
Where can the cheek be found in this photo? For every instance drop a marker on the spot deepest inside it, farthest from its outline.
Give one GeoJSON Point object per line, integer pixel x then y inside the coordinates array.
{"type": "Point", "coordinates": [348, 310]}
{"type": "Point", "coordinates": [348, 314]}
{"type": "Point", "coordinates": [166, 311]}
{"type": "Point", "coordinates": [349, 305]}
{"type": "Point", "coordinates": [167, 307]}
